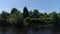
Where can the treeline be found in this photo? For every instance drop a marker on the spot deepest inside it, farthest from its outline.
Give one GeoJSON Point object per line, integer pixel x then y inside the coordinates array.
{"type": "Point", "coordinates": [28, 18]}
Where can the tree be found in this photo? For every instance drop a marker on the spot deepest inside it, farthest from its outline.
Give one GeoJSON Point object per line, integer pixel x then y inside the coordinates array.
{"type": "Point", "coordinates": [16, 17]}
{"type": "Point", "coordinates": [54, 18]}
{"type": "Point", "coordinates": [4, 17]}
{"type": "Point", "coordinates": [13, 10]}
{"type": "Point", "coordinates": [35, 13]}
{"type": "Point", "coordinates": [30, 13]}
{"type": "Point", "coordinates": [27, 21]}
{"type": "Point", "coordinates": [25, 12]}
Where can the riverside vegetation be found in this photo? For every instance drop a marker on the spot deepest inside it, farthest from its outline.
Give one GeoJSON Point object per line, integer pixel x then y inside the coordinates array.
{"type": "Point", "coordinates": [29, 18]}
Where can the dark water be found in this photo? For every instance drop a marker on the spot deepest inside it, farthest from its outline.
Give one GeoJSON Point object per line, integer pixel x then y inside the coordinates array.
{"type": "Point", "coordinates": [15, 30]}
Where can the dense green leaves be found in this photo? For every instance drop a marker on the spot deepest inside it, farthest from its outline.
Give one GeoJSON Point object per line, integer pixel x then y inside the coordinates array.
{"type": "Point", "coordinates": [4, 15]}
{"type": "Point", "coordinates": [25, 12]}
{"type": "Point", "coordinates": [29, 18]}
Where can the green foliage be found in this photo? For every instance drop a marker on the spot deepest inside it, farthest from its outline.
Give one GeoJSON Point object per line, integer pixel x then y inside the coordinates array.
{"type": "Point", "coordinates": [36, 11]}
{"type": "Point", "coordinates": [4, 15]}
{"type": "Point", "coordinates": [12, 20]}
{"type": "Point", "coordinates": [54, 16]}
{"type": "Point", "coordinates": [35, 14]}
{"type": "Point", "coordinates": [25, 12]}
{"type": "Point", "coordinates": [14, 10]}
{"type": "Point", "coordinates": [26, 21]}
{"type": "Point", "coordinates": [30, 18]}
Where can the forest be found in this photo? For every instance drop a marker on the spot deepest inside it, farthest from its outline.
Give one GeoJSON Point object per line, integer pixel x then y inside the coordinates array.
{"type": "Point", "coordinates": [29, 18]}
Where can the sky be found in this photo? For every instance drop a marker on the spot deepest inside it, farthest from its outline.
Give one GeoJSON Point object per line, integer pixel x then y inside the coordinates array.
{"type": "Point", "coordinates": [42, 5]}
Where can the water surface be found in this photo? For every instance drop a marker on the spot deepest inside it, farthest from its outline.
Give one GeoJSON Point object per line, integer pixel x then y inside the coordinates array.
{"type": "Point", "coordinates": [15, 30]}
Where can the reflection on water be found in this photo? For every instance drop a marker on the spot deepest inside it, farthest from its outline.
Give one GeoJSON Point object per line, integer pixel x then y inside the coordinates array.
{"type": "Point", "coordinates": [15, 30]}
{"type": "Point", "coordinates": [39, 31]}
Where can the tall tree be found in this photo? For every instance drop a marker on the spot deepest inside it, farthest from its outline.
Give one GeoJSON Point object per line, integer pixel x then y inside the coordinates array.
{"type": "Point", "coordinates": [25, 12]}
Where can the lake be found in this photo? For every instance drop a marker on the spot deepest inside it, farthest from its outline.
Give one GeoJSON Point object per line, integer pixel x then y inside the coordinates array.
{"type": "Point", "coordinates": [25, 30]}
